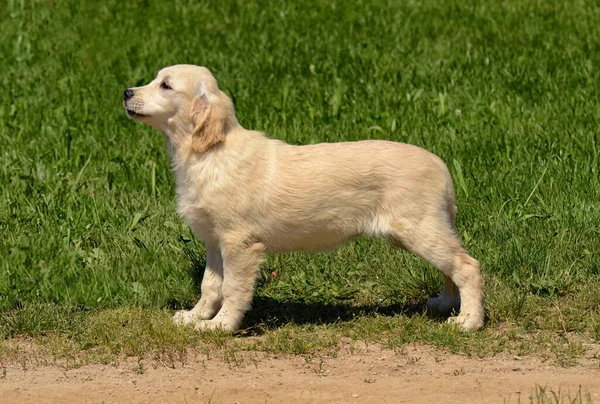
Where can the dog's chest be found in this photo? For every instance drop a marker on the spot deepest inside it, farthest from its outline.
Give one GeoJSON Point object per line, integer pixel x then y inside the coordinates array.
{"type": "Point", "coordinates": [196, 193]}
{"type": "Point", "coordinates": [192, 206]}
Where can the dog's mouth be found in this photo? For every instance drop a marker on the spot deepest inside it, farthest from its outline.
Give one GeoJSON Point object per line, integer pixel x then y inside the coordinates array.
{"type": "Point", "coordinates": [134, 114]}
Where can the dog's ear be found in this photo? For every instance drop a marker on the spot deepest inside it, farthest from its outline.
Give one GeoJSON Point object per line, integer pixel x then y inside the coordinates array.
{"type": "Point", "coordinates": [209, 123]}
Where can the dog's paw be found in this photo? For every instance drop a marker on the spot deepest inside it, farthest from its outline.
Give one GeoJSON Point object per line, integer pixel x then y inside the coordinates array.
{"type": "Point", "coordinates": [443, 304]}
{"type": "Point", "coordinates": [184, 317]}
{"type": "Point", "coordinates": [206, 325]}
{"type": "Point", "coordinates": [466, 323]}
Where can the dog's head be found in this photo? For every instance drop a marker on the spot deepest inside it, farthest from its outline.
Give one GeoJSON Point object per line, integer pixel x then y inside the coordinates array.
{"type": "Point", "coordinates": [183, 100]}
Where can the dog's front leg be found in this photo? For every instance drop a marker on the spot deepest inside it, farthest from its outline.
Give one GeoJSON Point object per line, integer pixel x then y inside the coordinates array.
{"type": "Point", "coordinates": [211, 299]}
{"type": "Point", "coordinates": [241, 261]}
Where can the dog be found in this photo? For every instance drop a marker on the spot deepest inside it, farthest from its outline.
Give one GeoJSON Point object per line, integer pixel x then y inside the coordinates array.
{"type": "Point", "coordinates": [245, 195]}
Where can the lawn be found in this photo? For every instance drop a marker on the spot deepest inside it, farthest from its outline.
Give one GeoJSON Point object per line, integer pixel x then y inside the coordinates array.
{"type": "Point", "coordinates": [94, 257]}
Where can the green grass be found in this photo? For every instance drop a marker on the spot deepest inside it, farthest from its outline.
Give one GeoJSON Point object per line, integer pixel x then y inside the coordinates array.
{"type": "Point", "coordinates": [547, 395]}
{"type": "Point", "coordinates": [506, 93]}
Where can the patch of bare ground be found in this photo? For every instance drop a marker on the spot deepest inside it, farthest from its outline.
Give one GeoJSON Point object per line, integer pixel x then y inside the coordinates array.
{"type": "Point", "coordinates": [358, 373]}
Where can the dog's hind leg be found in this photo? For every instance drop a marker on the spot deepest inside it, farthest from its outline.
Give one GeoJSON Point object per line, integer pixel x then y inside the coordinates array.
{"type": "Point", "coordinates": [435, 240]}
{"type": "Point", "coordinates": [240, 268]}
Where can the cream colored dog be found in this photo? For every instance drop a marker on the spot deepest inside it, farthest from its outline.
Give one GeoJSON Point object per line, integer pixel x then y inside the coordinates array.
{"type": "Point", "coordinates": [246, 195]}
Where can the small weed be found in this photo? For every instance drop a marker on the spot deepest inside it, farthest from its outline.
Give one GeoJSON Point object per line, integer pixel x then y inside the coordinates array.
{"type": "Point", "coordinates": [459, 372]}
{"type": "Point", "coordinates": [139, 369]}
{"type": "Point", "coordinates": [412, 360]}
{"type": "Point", "coordinates": [546, 395]}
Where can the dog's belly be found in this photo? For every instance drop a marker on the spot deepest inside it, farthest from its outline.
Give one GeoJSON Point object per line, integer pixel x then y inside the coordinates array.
{"type": "Point", "coordinates": [315, 241]}
{"type": "Point", "coordinates": [313, 235]}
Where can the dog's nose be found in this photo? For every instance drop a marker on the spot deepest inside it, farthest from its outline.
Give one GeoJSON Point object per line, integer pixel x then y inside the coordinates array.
{"type": "Point", "coordinates": [128, 94]}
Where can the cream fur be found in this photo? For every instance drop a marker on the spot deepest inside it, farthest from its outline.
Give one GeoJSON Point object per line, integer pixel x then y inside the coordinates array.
{"type": "Point", "coordinates": [246, 195]}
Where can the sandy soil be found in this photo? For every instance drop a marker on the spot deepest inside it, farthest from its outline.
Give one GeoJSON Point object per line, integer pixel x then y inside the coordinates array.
{"type": "Point", "coordinates": [365, 374]}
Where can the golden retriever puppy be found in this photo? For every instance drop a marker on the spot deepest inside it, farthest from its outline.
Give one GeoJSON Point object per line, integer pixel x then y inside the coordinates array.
{"type": "Point", "coordinates": [246, 195]}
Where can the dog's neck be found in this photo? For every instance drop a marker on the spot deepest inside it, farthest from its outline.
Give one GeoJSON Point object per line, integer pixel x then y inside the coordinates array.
{"type": "Point", "coordinates": [179, 145]}
{"type": "Point", "coordinates": [179, 142]}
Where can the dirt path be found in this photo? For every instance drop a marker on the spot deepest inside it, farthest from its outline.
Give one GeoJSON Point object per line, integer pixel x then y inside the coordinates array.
{"type": "Point", "coordinates": [368, 375]}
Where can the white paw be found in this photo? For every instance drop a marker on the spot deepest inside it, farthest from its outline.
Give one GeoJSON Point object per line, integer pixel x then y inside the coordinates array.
{"type": "Point", "coordinates": [205, 325]}
{"type": "Point", "coordinates": [466, 323]}
{"type": "Point", "coordinates": [184, 317]}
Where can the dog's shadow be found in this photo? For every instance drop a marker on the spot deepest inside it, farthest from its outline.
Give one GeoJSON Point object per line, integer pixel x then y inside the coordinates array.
{"type": "Point", "coordinates": [272, 313]}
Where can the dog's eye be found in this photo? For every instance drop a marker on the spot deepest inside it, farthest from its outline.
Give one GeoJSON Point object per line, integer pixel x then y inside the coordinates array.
{"type": "Point", "coordinates": [165, 86]}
